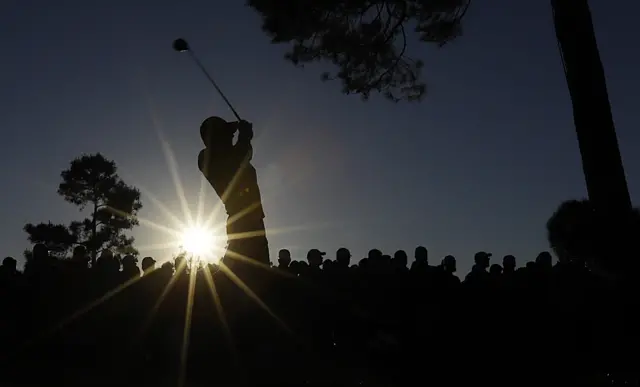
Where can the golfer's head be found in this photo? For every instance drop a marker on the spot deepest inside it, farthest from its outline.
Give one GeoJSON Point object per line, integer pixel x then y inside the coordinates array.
{"type": "Point", "coordinates": [216, 131]}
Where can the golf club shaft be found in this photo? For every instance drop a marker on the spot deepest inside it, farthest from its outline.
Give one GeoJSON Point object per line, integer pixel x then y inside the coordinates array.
{"type": "Point", "coordinates": [195, 58]}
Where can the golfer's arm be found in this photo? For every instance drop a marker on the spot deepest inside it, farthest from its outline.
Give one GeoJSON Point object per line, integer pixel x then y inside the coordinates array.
{"type": "Point", "coordinates": [243, 145]}
{"type": "Point", "coordinates": [244, 149]}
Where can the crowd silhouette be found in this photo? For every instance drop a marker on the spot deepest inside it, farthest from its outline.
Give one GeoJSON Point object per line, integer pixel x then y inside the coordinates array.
{"type": "Point", "coordinates": [384, 320]}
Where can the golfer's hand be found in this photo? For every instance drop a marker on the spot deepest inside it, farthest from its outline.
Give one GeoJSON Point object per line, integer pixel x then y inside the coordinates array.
{"type": "Point", "coordinates": [246, 129]}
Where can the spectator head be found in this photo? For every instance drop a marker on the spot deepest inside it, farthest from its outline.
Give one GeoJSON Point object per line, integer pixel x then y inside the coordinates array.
{"type": "Point", "coordinates": [449, 264]}
{"type": "Point", "coordinates": [315, 257]}
{"type": "Point", "coordinates": [295, 267]}
{"type": "Point", "coordinates": [374, 255]}
{"type": "Point", "coordinates": [148, 264]}
{"type": "Point", "coordinates": [10, 263]}
{"type": "Point", "coordinates": [343, 257]}
{"type": "Point", "coordinates": [167, 268]}
{"type": "Point", "coordinates": [129, 260]}
{"type": "Point", "coordinates": [495, 269]}
{"type": "Point", "coordinates": [401, 258]}
{"type": "Point", "coordinates": [482, 259]}
{"type": "Point", "coordinates": [421, 254]}
{"type": "Point", "coordinates": [180, 262]}
{"type": "Point", "coordinates": [284, 258]}
{"type": "Point", "coordinates": [544, 260]}
{"type": "Point", "coordinates": [40, 252]}
{"type": "Point", "coordinates": [509, 263]}
{"type": "Point", "coordinates": [328, 264]}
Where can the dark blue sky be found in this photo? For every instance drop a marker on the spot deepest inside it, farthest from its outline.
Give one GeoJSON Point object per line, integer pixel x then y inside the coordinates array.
{"type": "Point", "coordinates": [479, 165]}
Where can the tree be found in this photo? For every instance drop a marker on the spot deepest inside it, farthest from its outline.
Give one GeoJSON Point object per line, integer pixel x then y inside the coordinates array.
{"type": "Point", "coordinates": [578, 233]}
{"type": "Point", "coordinates": [91, 182]}
{"type": "Point", "coordinates": [596, 133]}
{"type": "Point", "coordinates": [367, 41]}
{"type": "Point", "coordinates": [571, 231]}
{"type": "Point", "coordinates": [56, 236]}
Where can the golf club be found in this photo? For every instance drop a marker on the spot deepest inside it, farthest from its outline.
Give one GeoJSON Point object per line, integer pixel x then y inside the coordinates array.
{"type": "Point", "coordinates": [181, 45]}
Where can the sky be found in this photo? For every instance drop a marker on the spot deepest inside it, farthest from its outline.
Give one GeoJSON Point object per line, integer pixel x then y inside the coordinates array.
{"type": "Point", "coordinates": [480, 164]}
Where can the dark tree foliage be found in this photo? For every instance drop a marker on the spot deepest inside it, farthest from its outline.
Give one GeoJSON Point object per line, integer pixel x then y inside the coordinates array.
{"type": "Point", "coordinates": [571, 230]}
{"type": "Point", "coordinates": [56, 236]}
{"type": "Point", "coordinates": [91, 182]}
{"type": "Point", "coordinates": [367, 40]}
{"type": "Point", "coordinates": [577, 233]}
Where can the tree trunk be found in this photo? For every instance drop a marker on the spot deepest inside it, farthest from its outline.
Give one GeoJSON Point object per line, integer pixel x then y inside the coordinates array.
{"type": "Point", "coordinates": [94, 231]}
{"type": "Point", "coordinates": [601, 161]}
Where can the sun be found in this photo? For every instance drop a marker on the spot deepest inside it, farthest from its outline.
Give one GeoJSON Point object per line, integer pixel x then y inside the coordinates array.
{"type": "Point", "coordinates": [200, 242]}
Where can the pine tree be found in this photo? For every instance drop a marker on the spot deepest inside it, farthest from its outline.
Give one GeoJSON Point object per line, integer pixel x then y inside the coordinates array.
{"type": "Point", "coordinates": [91, 183]}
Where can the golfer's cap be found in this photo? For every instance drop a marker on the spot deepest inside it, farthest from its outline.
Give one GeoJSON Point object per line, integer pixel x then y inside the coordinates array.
{"type": "Point", "coordinates": [214, 126]}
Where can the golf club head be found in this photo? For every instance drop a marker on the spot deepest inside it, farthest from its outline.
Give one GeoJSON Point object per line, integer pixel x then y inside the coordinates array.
{"type": "Point", "coordinates": [180, 45]}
